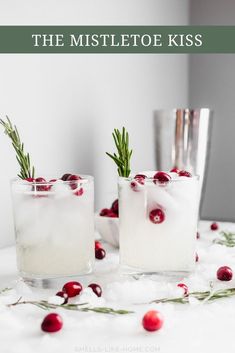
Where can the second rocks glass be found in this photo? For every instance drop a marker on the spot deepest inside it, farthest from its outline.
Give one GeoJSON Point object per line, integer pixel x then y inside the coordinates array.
{"type": "Point", "coordinates": [158, 222]}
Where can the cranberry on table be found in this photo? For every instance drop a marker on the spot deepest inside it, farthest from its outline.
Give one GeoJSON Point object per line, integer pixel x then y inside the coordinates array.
{"type": "Point", "coordinates": [196, 257]}
{"type": "Point", "coordinates": [152, 320]}
{"type": "Point", "coordinates": [161, 177]}
{"type": "Point", "coordinates": [157, 216]}
{"type": "Point", "coordinates": [96, 289]}
{"type": "Point", "coordinates": [64, 295]}
{"type": "Point", "coordinates": [214, 226]}
{"type": "Point", "coordinates": [185, 173]}
{"type": "Point", "coordinates": [198, 235]}
{"type": "Point", "coordinates": [100, 253]}
{"type": "Point", "coordinates": [225, 273]}
{"type": "Point", "coordinates": [52, 323]}
{"type": "Point", "coordinates": [184, 287]}
{"type": "Point", "coordinates": [72, 288]}
{"type": "Point", "coordinates": [65, 176]}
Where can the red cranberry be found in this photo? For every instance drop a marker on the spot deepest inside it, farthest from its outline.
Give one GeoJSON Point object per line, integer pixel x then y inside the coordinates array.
{"type": "Point", "coordinates": [51, 181]}
{"type": "Point", "coordinates": [42, 187]}
{"type": "Point", "coordinates": [196, 257]}
{"type": "Point", "coordinates": [96, 289]}
{"type": "Point", "coordinates": [184, 287]}
{"type": "Point", "coordinates": [104, 212]}
{"type": "Point", "coordinates": [111, 214]}
{"type": "Point", "coordinates": [198, 235]}
{"type": "Point", "coordinates": [30, 180]}
{"type": "Point", "coordinates": [214, 226]}
{"type": "Point", "coordinates": [72, 288]}
{"type": "Point", "coordinates": [175, 170]}
{"type": "Point", "coordinates": [65, 176]}
{"type": "Point", "coordinates": [64, 295]}
{"type": "Point", "coordinates": [52, 323]}
{"type": "Point", "coordinates": [185, 173]}
{"type": "Point", "coordinates": [161, 177]}
{"type": "Point", "coordinates": [140, 176]}
{"type": "Point", "coordinates": [73, 181]}
{"type": "Point", "coordinates": [79, 192]}
{"type": "Point", "coordinates": [157, 216]}
{"type": "Point", "coordinates": [100, 253]}
{"type": "Point", "coordinates": [114, 207]}
{"type": "Point", "coordinates": [135, 184]}
{"type": "Point", "coordinates": [152, 320]}
{"type": "Point", "coordinates": [225, 273]}
{"type": "Point", "coordinates": [97, 245]}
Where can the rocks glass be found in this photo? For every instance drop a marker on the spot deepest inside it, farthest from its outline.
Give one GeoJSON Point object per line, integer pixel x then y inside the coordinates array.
{"type": "Point", "coordinates": [54, 228]}
{"type": "Point", "coordinates": [158, 223]}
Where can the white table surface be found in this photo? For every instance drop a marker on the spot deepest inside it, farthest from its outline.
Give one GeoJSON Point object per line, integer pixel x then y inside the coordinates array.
{"type": "Point", "coordinates": [194, 327]}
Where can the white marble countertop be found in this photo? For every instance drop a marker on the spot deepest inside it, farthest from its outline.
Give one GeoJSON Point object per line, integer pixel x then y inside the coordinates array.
{"type": "Point", "coordinates": [195, 327]}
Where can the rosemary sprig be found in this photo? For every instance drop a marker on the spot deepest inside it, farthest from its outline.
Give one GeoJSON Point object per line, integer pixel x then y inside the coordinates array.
{"type": "Point", "coordinates": [43, 304]}
{"type": "Point", "coordinates": [123, 156]}
{"type": "Point", "coordinates": [201, 296]}
{"type": "Point", "coordinates": [227, 239]}
{"type": "Point", "coordinates": [5, 290]}
{"type": "Point", "coordinates": [26, 171]}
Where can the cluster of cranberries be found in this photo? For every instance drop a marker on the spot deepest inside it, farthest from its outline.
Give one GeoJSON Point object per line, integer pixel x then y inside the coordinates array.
{"type": "Point", "coordinates": [100, 253]}
{"type": "Point", "coordinates": [158, 178]}
{"type": "Point", "coordinates": [111, 212]}
{"type": "Point", "coordinates": [156, 215]}
{"type": "Point", "coordinates": [53, 322]}
{"type": "Point", "coordinates": [46, 186]}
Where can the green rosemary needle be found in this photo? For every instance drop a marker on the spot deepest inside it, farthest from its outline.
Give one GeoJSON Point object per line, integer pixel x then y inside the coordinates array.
{"type": "Point", "coordinates": [26, 171]}
{"type": "Point", "coordinates": [123, 156]}
{"type": "Point", "coordinates": [43, 304]}
{"type": "Point", "coordinates": [206, 296]}
{"type": "Point", "coordinates": [227, 239]}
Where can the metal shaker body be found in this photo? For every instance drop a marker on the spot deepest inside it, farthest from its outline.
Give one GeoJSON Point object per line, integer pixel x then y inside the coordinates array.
{"type": "Point", "coordinates": [182, 140]}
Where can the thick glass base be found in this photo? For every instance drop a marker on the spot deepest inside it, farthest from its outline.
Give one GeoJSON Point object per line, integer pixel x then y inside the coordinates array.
{"type": "Point", "coordinates": [57, 281]}
{"type": "Point", "coordinates": [158, 274]}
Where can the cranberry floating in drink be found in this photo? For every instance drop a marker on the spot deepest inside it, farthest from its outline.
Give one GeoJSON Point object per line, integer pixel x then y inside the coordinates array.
{"type": "Point", "coordinates": [158, 222]}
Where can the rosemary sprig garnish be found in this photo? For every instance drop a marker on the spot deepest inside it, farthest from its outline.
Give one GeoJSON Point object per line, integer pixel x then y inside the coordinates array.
{"type": "Point", "coordinates": [227, 239]}
{"type": "Point", "coordinates": [26, 171]}
{"type": "Point", "coordinates": [206, 296]}
{"type": "Point", "coordinates": [43, 304]}
{"type": "Point", "coordinates": [123, 156]}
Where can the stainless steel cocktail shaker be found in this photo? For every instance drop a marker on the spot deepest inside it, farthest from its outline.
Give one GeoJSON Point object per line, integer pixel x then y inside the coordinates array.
{"type": "Point", "coordinates": [182, 140]}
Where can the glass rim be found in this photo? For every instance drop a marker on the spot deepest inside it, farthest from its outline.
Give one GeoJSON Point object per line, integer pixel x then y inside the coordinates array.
{"type": "Point", "coordinates": [180, 179]}
{"type": "Point", "coordinates": [85, 179]}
